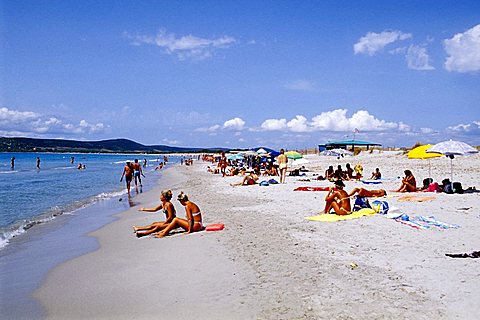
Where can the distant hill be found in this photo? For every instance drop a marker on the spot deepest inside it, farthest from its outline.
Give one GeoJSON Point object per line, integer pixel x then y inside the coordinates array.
{"type": "Point", "coordinates": [104, 146]}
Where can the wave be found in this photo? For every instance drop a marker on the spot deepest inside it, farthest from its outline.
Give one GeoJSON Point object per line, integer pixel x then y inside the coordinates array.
{"type": "Point", "coordinates": [9, 171]}
{"type": "Point", "coordinates": [20, 227]}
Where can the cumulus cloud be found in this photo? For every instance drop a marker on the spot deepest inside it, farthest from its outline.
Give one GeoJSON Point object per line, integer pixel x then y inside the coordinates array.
{"type": "Point", "coordinates": [298, 124]}
{"type": "Point", "coordinates": [417, 58]}
{"type": "Point", "coordinates": [373, 42]}
{"type": "Point", "coordinates": [234, 124]}
{"type": "Point", "coordinates": [337, 120]}
{"type": "Point", "coordinates": [472, 128]}
{"type": "Point", "coordinates": [463, 51]}
{"type": "Point", "coordinates": [274, 124]}
{"type": "Point", "coordinates": [302, 85]}
{"type": "Point", "coordinates": [28, 123]}
{"type": "Point", "coordinates": [187, 47]}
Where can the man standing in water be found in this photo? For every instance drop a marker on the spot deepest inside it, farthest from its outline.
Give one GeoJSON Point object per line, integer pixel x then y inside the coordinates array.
{"type": "Point", "coordinates": [12, 163]}
{"type": "Point", "coordinates": [38, 162]}
{"type": "Point", "coordinates": [128, 173]}
{"type": "Point", "coordinates": [137, 172]}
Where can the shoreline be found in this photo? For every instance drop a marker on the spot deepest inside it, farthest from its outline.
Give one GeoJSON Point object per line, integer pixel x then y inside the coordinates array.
{"type": "Point", "coordinates": [285, 267]}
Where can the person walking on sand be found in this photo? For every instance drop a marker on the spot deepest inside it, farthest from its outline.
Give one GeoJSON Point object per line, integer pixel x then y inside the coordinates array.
{"type": "Point", "coordinates": [193, 223]}
{"type": "Point", "coordinates": [282, 165]}
{"type": "Point", "coordinates": [128, 174]}
{"type": "Point", "coordinates": [168, 210]}
{"type": "Point", "coordinates": [38, 162]}
{"type": "Point", "coordinates": [409, 184]}
{"type": "Point", "coordinates": [137, 172]}
{"type": "Point", "coordinates": [338, 200]}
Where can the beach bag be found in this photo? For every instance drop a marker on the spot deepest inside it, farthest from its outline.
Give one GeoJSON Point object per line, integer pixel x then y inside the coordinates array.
{"type": "Point", "coordinates": [273, 181]}
{"type": "Point", "coordinates": [264, 183]}
{"type": "Point", "coordinates": [361, 203]}
{"type": "Point", "coordinates": [380, 206]}
{"type": "Point", "coordinates": [457, 187]}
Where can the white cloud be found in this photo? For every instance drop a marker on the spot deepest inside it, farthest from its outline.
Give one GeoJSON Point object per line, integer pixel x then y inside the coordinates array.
{"type": "Point", "coordinates": [427, 130]}
{"type": "Point", "coordinates": [404, 127]}
{"type": "Point", "coordinates": [234, 124]}
{"type": "Point", "coordinates": [373, 42]}
{"type": "Point", "coordinates": [463, 51]}
{"type": "Point", "coordinates": [472, 128]}
{"type": "Point", "coordinates": [337, 120]}
{"type": "Point", "coordinates": [170, 142]}
{"type": "Point", "coordinates": [185, 47]}
{"type": "Point", "coordinates": [274, 124]}
{"type": "Point", "coordinates": [209, 129]}
{"type": "Point", "coordinates": [28, 123]}
{"type": "Point", "coordinates": [418, 58]}
{"type": "Point", "coordinates": [298, 124]}
{"type": "Point", "coordinates": [302, 85]}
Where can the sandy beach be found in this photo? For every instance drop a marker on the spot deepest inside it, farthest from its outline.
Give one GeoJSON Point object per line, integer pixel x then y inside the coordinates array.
{"type": "Point", "coordinates": [271, 263]}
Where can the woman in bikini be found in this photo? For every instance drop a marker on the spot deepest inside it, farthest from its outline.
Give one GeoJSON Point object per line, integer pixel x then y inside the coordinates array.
{"type": "Point", "coordinates": [168, 210]}
{"type": "Point", "coordinates": [368, 193]}
{"type": "Point", "coordinates": [193, 222]}
{"type": "Point", "coordinates": [282, 165]}
{"type": "Point", "coordinates": [338, 199]}
{"type": "Point", "coordinates": [409, 184]}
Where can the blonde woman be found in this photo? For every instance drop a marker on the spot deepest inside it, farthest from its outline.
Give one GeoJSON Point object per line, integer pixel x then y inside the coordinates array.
{"type": "Point", "coordinates": [193, 222]}
{"type": "Point", "coordinates": [168, 210]}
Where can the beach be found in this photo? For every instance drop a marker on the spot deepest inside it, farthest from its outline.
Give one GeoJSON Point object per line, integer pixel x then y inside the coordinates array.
{"type": "Point", "coordinates": [271, 263]}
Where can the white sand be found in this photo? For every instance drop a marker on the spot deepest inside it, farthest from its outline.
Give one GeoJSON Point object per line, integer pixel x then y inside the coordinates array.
{"type": "Point", "coordinates": [271, 263]}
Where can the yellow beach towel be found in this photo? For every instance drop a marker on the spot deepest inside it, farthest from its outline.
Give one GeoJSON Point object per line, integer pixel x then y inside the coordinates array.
{"type": "Point", "coordinates": [334, 217]}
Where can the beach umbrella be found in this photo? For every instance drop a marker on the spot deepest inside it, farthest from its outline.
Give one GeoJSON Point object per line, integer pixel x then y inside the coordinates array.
{"type": "Point", "coordinates": [293, 155]}
{"type": "Point", "coordinates": [451, 149]}
{"type": "Point", "coordinates": [262, 151]}
{"type": "Point", "coordinates": [235, 157]}
{"type": "Point", "coordinates": [420, 152]}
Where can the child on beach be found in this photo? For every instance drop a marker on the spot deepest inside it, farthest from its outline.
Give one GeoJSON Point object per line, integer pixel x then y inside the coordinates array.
{"type": "Point", "coordinates": [168, 210]}
{"type": "Point", "coordinates": [193, 222]}
{"type": "Point", "coordinates": [338, 199]}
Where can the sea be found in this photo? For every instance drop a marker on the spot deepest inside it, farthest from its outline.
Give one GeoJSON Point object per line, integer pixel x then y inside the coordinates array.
{"type": "Point", "coordinates": [46, 214]}
{"type": "Point", "coordinates": [30, 196]}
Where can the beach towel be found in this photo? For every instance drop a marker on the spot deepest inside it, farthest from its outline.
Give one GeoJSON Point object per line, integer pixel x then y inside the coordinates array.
{"type": "Point", "coordinates": [311, 189]}
{"type": "Point", "coordinates": [371, 182]}
{"type": "Point", "coordinates": [425, 222]}
{"type": "Point", "coordinates": [416, 198]}
{"type": "Point", "coordinates": [333, 217]}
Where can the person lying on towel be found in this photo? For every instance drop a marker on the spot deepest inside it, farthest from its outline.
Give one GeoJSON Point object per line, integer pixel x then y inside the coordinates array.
{"type": "Point", "coordinates": [337, 199]}
{"type": "Point", "coordinates": [361, 192]}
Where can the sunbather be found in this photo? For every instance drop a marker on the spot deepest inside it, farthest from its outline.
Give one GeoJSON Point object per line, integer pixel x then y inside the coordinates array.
{"type": "Point", "coordinates": [248, 180]}
{"type": "Point", "coordinates": [193, 222]}
{"type": "Point", "coordinates": [408, 183]}
{"type": "Point", "coordinates": [338, 200]}
{"type": "Point", "coordinates": [361, 192]}
{"type": "Point", "coordinates": [168, 209]}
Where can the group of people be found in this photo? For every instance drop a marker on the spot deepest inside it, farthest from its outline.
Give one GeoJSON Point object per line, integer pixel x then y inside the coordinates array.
{"type": "Point", "coordinates": [132, 171]}
{"type": "Point", "coordinates": [160, 229]}
{"type": "Point", "coordinates": [355, 173]}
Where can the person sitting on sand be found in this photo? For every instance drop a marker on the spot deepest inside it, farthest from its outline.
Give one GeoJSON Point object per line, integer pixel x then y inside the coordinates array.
{"type": "Point", "coordinates": [376, 175]}
{"type": "Point", "coordinates": [349, 171]}
{"type": "Point", "coordinates": [248, 180]}
{"type": "Point", "coordinates": [168, 210]}
{"type": "Point", "coordinates": [409, 183]}
{"type": "Point", "coordinates": [361, 192]}
{"type": "Point", "coordinates": [329, 173]}
{"type": "Point", "coordinates": [338, 200]}
{"type": "Point", "coordinates": [358, 171]}
{"type": "Point", "coordinates": [193, 222]}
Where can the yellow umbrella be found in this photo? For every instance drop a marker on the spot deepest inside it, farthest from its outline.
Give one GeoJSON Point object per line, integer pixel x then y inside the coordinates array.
{"type": "Point", "coordinates": [421, 153]}
{"type": "Point", "coordinates": [293, 155]}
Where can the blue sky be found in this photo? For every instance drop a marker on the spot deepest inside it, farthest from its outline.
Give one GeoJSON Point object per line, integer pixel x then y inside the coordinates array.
{"type": "Point", "coordinates": [241, 74]}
